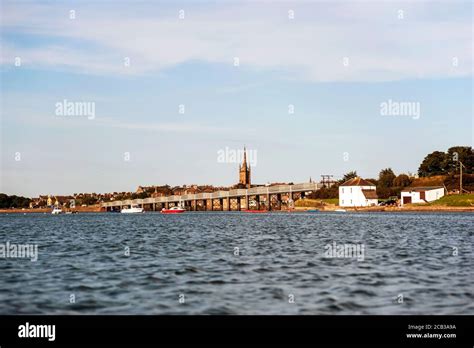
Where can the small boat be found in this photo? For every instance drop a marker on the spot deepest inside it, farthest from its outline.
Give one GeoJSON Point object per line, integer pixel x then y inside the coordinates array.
{"type": "Point", "coordinates": [133, 209]}
{"type": "Point", "coordinates": [312, 211]}
{"type": "Point", "coordinates": [340, 210]}
{"type": "Point", "coordinates": [254, 211]}
{"type": "Point", "coordinates": [173, 210]}
{"type": "Point", "coordinates": [56, 211]}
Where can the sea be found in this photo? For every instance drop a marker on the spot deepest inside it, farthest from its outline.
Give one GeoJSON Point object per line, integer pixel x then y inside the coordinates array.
{"type": "Point", "coordinates": [236, 263]}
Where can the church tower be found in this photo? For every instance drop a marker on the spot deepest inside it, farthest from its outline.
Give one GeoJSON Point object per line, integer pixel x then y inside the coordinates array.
{"type": "Point", "coordinates": [244, 172]}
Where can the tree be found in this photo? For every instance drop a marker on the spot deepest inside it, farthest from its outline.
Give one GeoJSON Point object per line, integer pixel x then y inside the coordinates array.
{"type": "Point", "coordinates": [88, 200]}
{"type": "Point", "coordinates": [348, 176]}
{"type": "Point", "coordinates": [402, 180]}
{"type": "Point", "coordinates": [386, 177]}
{"type": "Point", "coordinates": [434, 164]}
{"type": "Point", "coordinates": [464, 154]}
{"type": "Point", "coordinates": [13, 201]}
{"type": "Point", "coordinates": [325, 192]}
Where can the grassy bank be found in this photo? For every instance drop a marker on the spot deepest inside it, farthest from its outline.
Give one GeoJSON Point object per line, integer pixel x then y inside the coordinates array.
{"type": "Point", "coordinates": [464, 200]}
{"type": "Point", "coordinates": [315, 203]}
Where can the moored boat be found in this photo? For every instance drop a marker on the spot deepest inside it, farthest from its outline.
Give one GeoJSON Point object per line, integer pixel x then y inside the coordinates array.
{"type": "Point", "coordinates": [173, 210]}
{"type": "Point", "coordinates": [56, 211]}
{"type": "Point", "coordinates": [133, 209]}
{"type": "Point", "coordinates": [254, 211]}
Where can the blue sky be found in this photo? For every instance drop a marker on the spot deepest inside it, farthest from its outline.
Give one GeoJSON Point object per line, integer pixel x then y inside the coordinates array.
{"type": "Point", "coordinates": [190, 61]}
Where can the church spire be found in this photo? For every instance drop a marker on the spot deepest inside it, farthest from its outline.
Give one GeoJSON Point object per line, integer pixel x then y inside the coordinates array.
{"type": "Point", "coordinates": [244, 171]}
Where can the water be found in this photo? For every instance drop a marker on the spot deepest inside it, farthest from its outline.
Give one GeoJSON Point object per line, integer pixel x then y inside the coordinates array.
{"type": "Point", "coordinates": [281, 257]}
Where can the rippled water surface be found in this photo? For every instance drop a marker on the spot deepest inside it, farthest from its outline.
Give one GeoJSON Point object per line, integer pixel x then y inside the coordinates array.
{"type": "Point", "coordinates": [427, 258]}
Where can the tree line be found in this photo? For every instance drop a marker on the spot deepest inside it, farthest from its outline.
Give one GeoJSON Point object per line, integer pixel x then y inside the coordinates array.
{"type": "Point", "coordinates": [7, 201]}
{"type": "Point", "coordinates": [445, 163]}
{"type": "Point", "coordinates": [436, 163]}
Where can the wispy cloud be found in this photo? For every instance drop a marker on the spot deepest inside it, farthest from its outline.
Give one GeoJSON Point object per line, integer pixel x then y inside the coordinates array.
{"type": "Point", "coordinates": [379, 45]}
{"type": "Point", "coordinates": [173, 127]}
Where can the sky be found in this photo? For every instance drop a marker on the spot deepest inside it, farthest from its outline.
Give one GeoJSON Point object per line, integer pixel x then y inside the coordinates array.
{"type": "Point", "coordinates": [169, 85]}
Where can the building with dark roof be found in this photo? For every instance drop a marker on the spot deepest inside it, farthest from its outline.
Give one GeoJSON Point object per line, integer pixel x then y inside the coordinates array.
{"type": "Point", "coordinates": [357, 192]}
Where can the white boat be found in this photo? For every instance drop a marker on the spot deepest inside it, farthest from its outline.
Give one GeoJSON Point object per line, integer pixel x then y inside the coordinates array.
{"type": "Point", "coordinates": [56, 211]}
{"type": "Point", "coordinates": [133, 209]}
{"type": "Point", "coordinates": [340, 210]}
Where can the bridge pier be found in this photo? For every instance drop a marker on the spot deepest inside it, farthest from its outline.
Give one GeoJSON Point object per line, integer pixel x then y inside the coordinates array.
{"type": "Point", "coordinates": [268, 202]}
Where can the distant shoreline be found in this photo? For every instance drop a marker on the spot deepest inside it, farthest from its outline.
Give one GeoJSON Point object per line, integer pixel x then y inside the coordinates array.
{"type": "Point", "coordinates": [428, 209]}
{"type": "Point", "coordinates": [90, 209]}
{"type": "Point", "coordinates": [432, 209]}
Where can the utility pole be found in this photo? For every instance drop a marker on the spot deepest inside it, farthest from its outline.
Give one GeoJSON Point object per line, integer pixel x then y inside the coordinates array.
{"type": "Point", "coordinates": [460, 176]}
{"type": "Point", "coordinates": [327, 180]}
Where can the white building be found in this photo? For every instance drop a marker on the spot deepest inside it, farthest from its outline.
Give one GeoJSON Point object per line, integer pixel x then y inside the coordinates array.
{"type": "Point", "coordinates": [357, 192]}
{"type": "Point", "coordinates": [421, 194]}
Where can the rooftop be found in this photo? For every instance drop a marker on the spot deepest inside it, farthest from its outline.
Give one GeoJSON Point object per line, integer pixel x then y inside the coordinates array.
{"type": "Point", "coordinates": [370, 194]}
{"type": "Point", "coordinates": [421, 188]}
{"type": "Point", "coordinates": [357, 181]}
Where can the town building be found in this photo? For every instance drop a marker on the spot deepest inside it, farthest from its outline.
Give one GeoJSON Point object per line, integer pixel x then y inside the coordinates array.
{"type": "Point", "coordinates": [357, 192]}
{"type": "Point", "coordinates": [421, 194]}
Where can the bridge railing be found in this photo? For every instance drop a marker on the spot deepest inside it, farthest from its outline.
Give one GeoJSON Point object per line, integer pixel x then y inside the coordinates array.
{"type": "Point", "coordinates": [204, 195]}
{"type": "Point", "coordinates": [237, 192]}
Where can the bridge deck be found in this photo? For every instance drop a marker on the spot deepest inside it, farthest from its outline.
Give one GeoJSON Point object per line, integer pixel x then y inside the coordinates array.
{"type": "Point", "coordinates": [263, 190]}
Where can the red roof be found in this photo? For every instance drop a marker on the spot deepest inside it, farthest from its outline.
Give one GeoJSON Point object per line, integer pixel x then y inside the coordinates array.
{"type": "Point", "coordinates": [357, 181]}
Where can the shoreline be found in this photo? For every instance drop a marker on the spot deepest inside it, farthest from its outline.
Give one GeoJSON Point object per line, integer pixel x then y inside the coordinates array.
{"type": "Point", "coordinates": [91, 209]}
{"type": "Point", "coordinates": [396, 209]}
{"type": "Point", "coordinates": [97, 209]}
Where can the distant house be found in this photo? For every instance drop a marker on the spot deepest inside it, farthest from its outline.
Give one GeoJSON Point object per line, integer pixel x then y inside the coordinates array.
{"type": "Point", "coordinates": [49, 201]}
{"type": "Point", "coordinates": [421, 194]}
{"type": "Point", "coordinates": [357, 192]}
